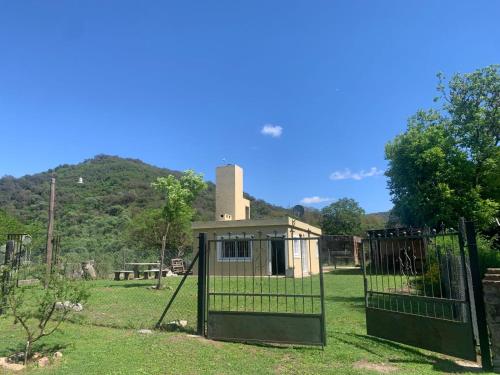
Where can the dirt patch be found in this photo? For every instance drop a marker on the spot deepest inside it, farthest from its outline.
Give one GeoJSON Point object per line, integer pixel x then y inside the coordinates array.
{"type": "Point", "coordinates": [217, 344]}
{"type": "Point", "coordinates": [5, 364]}
{"type": "Point", "coordinates": [183, 337]}
{"type": "Point", "coordinates": [381, 368]}
{"type": "Point", "coordinates": [283, 365]}
{"type": "Point", "coordinates": [176, 338]}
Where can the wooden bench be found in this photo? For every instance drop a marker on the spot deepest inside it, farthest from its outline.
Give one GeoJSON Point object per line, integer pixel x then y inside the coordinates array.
{"type": "Point", "coordinates": [126, 274]}
{"type": "Point", "coordinates": [146, 274]}
{"type": "Point", "coordinates": [157, 272]}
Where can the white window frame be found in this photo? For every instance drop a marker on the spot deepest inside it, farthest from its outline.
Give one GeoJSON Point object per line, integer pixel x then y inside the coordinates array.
{"type": "Point", "coordinates": [305, 255]}
{"type": "Point", "coordinates": [221, 258]}
{"type": "Point", "coordinates": [297, 247]}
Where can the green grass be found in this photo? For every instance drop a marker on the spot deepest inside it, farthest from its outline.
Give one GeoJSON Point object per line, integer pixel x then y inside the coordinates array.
{"type": "Point", "coordinates": [134, 304]}
{"type": "Point", "coordinates": [90, 349]}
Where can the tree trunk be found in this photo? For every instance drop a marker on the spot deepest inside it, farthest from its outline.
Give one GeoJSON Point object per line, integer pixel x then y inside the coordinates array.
{"type": "Point", "coordinates": [27, 351]}
{"type": "Point", "coordinates": [162, 258]}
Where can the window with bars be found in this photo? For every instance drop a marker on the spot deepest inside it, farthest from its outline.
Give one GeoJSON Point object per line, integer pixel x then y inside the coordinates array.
{"type": "Point", "coordinates": [239, 249]}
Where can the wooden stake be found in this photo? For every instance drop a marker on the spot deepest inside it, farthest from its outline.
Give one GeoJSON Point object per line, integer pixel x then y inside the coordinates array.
{"type": "Point", "coordinates": [50, 229]}
{"type": "Point", "coordinates": [162, 258]}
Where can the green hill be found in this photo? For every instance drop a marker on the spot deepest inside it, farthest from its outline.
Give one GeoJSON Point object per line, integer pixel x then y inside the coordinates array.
{"type": "Point", "coordinates": [94, 216]}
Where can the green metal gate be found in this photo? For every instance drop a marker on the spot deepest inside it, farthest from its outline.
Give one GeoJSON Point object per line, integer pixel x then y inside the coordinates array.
{"type": "Point", "coordinates": [267, 289]}
{"type": "Point", "coordinates": [419, 291]}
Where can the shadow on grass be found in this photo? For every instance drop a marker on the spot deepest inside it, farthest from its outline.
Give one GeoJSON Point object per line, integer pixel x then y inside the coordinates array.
{"type": "Point", "coordinates": [168, 327]}
{"type": "Point", "coordinates": [356, 302]}
{"type": "Point", "coordinates": [346, 271]}
{"type": "Point", "coordinates": [45, 349]}
{"type": "Point", "coordinates": [138, 285]}
{"type": "Point", "coordinates": [270, 345]}
{"type": "Point", "coordinates": [439, 364]}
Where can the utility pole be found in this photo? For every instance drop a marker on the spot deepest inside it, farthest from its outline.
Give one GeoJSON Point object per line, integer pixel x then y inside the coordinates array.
{"type": "Point", "coordinates": [50, 229]}
{"type": "Point", "coordinates": [162, 259]}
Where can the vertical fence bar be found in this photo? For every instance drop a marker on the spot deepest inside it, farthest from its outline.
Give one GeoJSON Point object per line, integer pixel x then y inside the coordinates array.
{"type": "Point", "coordinates": [322, 298]}
{"type": "Point", "coordinates": [363, 266]}
{"type": "Point", "coordinates": [202, 240]}
{"type": "Point", "coordinates": [6, 274]}
{"type": "Point", "coordinates": [477, 288]}
{"type": "Point", "coordinates": [467, 315]}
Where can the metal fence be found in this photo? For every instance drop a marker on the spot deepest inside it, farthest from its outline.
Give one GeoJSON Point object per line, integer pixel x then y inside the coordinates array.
{"type": "Point", "coordinates": [416, 272]}
{"type": "Point", "coordinates": [131, 302]}
{"type": "Point", "coordinates": [422, 288]}
{"type": "Point", "coordinates": [19, 266]}
{"type": "Point", "coordinates": [340, 250]}
{"type": "Point", "coordinates": [265, 289]}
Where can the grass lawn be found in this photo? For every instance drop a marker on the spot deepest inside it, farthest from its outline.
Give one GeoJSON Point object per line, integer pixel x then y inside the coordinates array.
{"type": "Point", "coordinates": [90, 349]}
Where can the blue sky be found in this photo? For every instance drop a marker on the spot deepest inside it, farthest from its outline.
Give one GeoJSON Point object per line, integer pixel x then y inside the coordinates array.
{"type": "Point", "coordinates": [193, 84]}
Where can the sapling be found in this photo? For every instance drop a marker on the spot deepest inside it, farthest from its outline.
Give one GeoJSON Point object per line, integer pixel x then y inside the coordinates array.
{"type": "Point", "coordinates": [40, 311]}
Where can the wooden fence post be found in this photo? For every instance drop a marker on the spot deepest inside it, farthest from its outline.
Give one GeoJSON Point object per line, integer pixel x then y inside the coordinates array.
{"type": "Point", "coordinates": [50, 230]}
{"type": "Point", "coordinates": [162, 260]}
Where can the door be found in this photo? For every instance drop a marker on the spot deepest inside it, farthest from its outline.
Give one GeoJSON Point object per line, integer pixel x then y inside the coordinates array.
{"type": "Point", "coordinates": [277, 257]}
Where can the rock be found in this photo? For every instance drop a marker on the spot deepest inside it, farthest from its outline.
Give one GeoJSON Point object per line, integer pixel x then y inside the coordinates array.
{"type": "Point", "coordinates": [59, 306]}
{"type": "Point", "coordinates": [57, 355]}
{"type": "Point", "coordinates": [177, 324]}
{"type": "Point", "coordinates": [43, 362]}
{"type": "Point", "coordinates": [5, 364]}
{"type": "Point", "coordinates": [36, 356]}
{"type": "Point", "coordinates": [16, 358]}
{"type": "Point", "coordinates": [67, 305]}
{"type": "Point", "coordinates": [145, 331]}
{"type": "Point", "coordinates": [89, 270]}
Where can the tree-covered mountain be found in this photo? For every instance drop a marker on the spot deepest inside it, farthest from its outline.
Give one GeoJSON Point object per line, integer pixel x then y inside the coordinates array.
{"type": "Point", "coordinates": [94, 215]}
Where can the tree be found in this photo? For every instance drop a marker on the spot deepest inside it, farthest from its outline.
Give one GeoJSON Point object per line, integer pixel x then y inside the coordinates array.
{"type": "Point", "coordinates": [373, 221]}
{"type": "Point", "coordinates": [178, 211]}
{"type": "Point", "coordinates": [342, 217]}
{"type": "Point", "coordinates": [40, 311]}
{"type": "Point", "coordinates": [9, 224]}
{"type": "Point", "coordinates": [447, 163]}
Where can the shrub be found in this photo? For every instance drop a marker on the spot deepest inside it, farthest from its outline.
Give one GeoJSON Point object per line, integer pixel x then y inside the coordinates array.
{"type": "Point", "coordinates": [489, 255]}
{"type": "Point", "coordinates": [40, 311]}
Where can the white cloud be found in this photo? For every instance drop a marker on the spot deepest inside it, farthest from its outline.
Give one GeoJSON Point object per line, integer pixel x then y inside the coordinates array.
{"type": "Point", "coordinates": [346, 174]}
{"type": "Point", "coordinates": [274, 131]}
{"type": "Point", "coordinates": [315, 199]}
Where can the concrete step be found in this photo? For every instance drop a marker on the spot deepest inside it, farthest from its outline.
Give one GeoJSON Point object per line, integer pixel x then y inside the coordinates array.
{"type": "Point", "coordinates": [492, 277]}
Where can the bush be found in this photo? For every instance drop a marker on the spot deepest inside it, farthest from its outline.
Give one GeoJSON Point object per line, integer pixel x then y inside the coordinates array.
{"type": "Point", "coordinates": [489, 255]}
{"type": "Point", "coordinates": [39, 310]}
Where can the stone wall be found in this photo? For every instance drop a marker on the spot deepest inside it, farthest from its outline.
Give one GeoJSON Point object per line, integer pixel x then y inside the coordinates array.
{"type": "Point", "coordinates": [491, 288]}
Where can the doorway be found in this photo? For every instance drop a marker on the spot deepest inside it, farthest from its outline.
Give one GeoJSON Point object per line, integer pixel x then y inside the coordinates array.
{"type": "Point", "coordinates": [277, 257]}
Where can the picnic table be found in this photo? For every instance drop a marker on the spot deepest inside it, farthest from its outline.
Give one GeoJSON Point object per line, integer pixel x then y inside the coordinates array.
{"type": "Point", "coordinates": [137, 265]}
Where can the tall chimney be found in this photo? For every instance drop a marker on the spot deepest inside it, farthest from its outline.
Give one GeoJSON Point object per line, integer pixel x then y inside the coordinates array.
{"type": "Point", "coordinates": [229, 201]}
